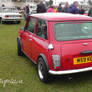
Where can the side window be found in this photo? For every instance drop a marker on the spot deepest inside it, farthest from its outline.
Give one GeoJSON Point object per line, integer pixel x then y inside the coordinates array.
{"type": "Point", "coordinates": [41, 29]}
{"type": "Point", "coordinates": [31, 25]}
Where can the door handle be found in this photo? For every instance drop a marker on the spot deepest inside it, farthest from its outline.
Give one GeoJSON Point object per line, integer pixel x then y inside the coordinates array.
{"type": "Point", "coordinates": [30, 40]}
{"type": "Point", "coordinates": [86, 52]}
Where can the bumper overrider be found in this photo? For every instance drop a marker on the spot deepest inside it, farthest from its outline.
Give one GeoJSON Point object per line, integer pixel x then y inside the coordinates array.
{"type": "Point", "coordinates": [70, 71]}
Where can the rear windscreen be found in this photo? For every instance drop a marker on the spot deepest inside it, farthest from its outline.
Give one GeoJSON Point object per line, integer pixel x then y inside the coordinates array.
{"type": "Point", "coordinates": [72, 31]}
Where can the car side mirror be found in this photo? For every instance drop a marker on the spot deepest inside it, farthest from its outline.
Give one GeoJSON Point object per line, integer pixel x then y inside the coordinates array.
{"type": "Point", "coordinates": [22, 28]}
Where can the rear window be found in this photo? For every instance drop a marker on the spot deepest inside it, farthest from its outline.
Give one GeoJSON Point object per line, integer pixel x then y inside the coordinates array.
{"type": "Point", "coordinates": [72, 31]}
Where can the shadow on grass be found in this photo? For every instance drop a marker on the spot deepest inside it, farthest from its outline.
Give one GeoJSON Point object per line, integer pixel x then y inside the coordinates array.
{"type": "Point", "coordinates": [28, 61]}
{"type": "Point", "coordinates": [73, 80]}
{"type": "Point", "coordinates": [11, 23]}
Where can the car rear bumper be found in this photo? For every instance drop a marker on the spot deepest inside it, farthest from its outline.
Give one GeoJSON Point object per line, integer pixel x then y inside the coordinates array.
{"type": "Point", "coordinates": [11, 19]}
{"type": "Point", "coordinates": [69, 71]}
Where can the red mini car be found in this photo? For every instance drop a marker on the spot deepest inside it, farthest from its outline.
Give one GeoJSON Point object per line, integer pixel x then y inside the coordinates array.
{"type": "Point", "coordinates": [57, 43]}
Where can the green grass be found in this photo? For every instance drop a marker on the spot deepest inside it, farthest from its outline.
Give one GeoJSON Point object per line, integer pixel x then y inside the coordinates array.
{"type": "Point", "coordinates": [20, 68]}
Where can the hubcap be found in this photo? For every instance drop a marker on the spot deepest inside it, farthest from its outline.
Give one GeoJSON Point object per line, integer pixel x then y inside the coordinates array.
{"type": "Point", "coordinates": [40, 69]}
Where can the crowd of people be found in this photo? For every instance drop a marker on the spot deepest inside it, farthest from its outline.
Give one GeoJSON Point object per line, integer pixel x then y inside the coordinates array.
{"type": "Point", "coordinates": [74, 8]}
{"type": "Point", "coordinates": [67, 9]}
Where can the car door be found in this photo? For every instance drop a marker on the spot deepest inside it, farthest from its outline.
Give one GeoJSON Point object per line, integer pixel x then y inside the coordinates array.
{"type": "Point", "coordinates": [40, 39]}
{"type": "Point", "coordinates": [27, 37]}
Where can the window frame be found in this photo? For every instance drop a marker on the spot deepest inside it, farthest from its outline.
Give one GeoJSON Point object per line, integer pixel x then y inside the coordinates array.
{"type": "Point", "coordinates": [69, 23]}
{"type": "Point", "coordinates": [47, 29]}
{"type": "Point", "coordinates": [27, 24]}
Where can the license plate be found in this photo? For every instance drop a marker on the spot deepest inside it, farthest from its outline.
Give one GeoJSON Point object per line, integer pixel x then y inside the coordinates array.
{"type": "Point", "coordinates": [82, 60]}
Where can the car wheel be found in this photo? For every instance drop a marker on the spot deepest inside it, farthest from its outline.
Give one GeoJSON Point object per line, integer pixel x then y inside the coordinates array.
{"type": "Point", "coordinates": [3, 22]}
{"type": "Point", "coordinates": [19, 51]}
{"type": "Point", "coordinates": [18, 22]}
{"type": "Point", "coordinates": [42, 71]}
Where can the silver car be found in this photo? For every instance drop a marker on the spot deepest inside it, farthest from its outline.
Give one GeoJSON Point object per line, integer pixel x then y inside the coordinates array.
{"type": "Point", "coordinates": [10, 14]}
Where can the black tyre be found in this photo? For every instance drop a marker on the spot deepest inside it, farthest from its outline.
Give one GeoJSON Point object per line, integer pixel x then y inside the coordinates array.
{"type": "Point", "coordinates": [18, 22]}
{"type": "Point", "coordinates": [19, 51]}
{"type": "Point", "coordinates": [42, 71]}
{"type": "Point", "coordinates": [3, 22]}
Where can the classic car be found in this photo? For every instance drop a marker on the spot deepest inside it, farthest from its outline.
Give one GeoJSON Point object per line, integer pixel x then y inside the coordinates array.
{"type": "Point", "coordinates": [10, 15]}
{"type": "Point", "coordinates": [57, 43]}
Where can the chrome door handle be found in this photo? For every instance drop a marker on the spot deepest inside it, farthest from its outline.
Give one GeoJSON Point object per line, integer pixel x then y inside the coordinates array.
{"type": "Point", "coordinates": [30, 40]}
{"type": "Point", "coordinates": [86, 52]}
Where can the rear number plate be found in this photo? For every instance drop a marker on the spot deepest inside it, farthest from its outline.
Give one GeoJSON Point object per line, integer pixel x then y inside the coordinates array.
{"type": "Point", "coordinates": [82, 60]}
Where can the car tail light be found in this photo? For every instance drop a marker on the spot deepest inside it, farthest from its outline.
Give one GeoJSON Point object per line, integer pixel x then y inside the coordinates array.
{"type": "Point", "coordinates": [20, 12]}
{"type": "Point", "coordinates": [6, 16]}
{"type": "Point", "coordinates": [56, 61]}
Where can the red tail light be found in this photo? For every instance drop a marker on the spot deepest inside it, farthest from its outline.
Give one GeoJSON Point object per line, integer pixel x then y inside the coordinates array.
{"type": "Point", "coordinates": [6, 16]}
{"type": "Point", "coordinates": [20, 12]}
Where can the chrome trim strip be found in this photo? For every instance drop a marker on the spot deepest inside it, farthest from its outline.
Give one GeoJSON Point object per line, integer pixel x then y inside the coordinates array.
{"type": "Point", "coordinates": [69, 71]}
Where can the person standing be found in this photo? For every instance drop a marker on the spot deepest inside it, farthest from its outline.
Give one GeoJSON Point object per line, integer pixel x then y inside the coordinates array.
{"type": "Point", "coordinates": [73, 8]}
{"type": "Point", "coordinates": [59, 9]}
{"type": "Point", "coordinates": [66, 7]}
{"type": "Point", "coordinates": [26, 11]}
{"type": "Point", "coordinates": [41, 8]}
{"type": "Point", "coordinates": [90, 12]}
{"type": "Point", "coordinates": [55, 9]}
{"type": "Point", "coordinates": [51, 9]}
{"type": "Point", "coordinates": [81, 10]}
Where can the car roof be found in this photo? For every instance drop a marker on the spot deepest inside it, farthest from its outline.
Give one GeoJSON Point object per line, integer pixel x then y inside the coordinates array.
{"type": "Point", "coordinates": [62, 17]}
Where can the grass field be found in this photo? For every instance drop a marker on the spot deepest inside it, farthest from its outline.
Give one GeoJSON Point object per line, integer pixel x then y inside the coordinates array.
{"type": "Point", "coordinates": [20, 68]}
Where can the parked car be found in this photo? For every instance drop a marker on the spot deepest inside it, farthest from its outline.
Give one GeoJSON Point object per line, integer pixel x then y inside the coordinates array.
{"type": "Point", "coordinates": [33, 12]}
{"type": "Point", "coordinates": [10, 14]}
{"type": "Point", "coordinates": [32, 8]}
{"type": "Point", "coordinates": [59, 44]}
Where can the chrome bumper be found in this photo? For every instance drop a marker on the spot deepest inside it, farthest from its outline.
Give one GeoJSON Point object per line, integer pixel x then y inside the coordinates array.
{"type": "Point", "coordinates": [69, 71]}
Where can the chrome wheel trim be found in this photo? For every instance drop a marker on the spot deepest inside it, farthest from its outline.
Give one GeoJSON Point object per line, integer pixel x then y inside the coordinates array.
{"type": "Point", "coordinates": [40, 70]}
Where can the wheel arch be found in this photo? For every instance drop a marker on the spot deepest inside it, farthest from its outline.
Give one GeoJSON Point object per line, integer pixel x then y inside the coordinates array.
{"type": "Point", "coordinates": [45, 60]}
{"type": "Point", "coordinates": [18, 39]}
